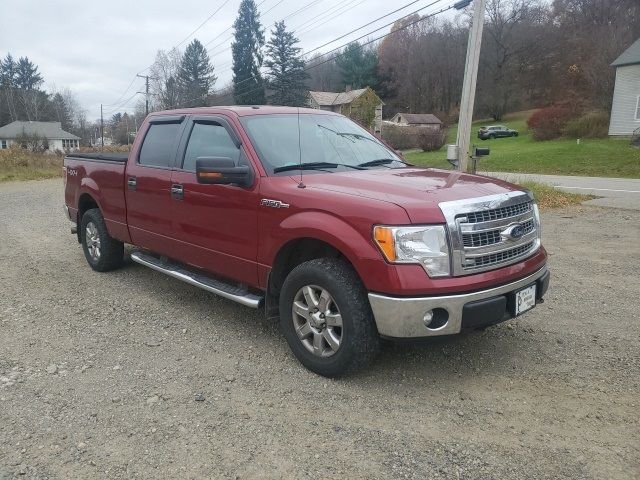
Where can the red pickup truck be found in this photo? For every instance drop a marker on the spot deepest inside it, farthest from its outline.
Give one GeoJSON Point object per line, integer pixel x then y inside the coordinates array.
{"type": "Point", "coordinates": [308, 215]}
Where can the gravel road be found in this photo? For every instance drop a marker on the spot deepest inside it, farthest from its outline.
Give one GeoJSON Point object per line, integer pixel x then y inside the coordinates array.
{"type": "Point", "coordinates": [132, 374]}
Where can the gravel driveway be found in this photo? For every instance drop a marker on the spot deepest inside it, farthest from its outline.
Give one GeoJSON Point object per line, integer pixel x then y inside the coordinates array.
{"type": "Point", "coordinates": [133, 374]}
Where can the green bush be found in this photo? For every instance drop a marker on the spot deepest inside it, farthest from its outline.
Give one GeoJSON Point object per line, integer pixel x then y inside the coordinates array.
{"type": "Point", "coordinates": [589, 125]}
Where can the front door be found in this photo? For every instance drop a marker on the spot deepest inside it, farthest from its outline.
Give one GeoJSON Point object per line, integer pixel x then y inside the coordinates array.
{"type": "Point", "coordinates": [216, 224]}
{"type": "Point", "coordinates": [148, 185]}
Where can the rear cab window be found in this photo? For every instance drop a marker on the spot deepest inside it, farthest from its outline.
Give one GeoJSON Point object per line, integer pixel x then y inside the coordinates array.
{"type": "Point", "coordinates": [159, 145]}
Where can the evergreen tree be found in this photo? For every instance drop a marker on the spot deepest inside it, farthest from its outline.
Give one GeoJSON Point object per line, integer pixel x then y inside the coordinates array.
{"type": "Point", "coordinates": [169, 96]}
{"type": "Point", "coordinates": [27, 76]}
{"type": "Point", "coordinates": [61, 111]}
{"type": "Point", "coordinates": [358, 66]}
{"type": "Point", "coordinates": [7, 71]}
{"type": "Point", "coordinates": [248, 84]}
{"type": "Point", "coordinates": [286, 75]}
{"type": "Point", "coordinates": [195, 75]}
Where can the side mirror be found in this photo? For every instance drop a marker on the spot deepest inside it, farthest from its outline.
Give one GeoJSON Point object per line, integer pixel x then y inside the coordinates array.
{"type": "Point", "coordinates": [223, 171]}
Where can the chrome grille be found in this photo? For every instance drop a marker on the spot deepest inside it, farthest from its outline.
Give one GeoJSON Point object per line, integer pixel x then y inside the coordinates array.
{"type": "Point", "coordinates": [492, 236]}
{"type": "Point", "coordinates": [498, 213]}
{"type": "Point", "coordinates": [491, 232]}
{"type": "Point", "coordinates": [481, 239]}
{"type": "Point", "coordinates": [498, 257]}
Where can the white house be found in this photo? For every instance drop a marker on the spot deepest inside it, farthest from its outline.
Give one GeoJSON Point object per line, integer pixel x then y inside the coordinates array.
{"type": "Point", "coordinates": [625, 108]}
{"type": "Point", "coordinates": [56, 138]}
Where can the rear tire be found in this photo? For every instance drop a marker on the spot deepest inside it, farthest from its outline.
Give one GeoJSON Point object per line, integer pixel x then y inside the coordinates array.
{"type": "Point", "coordinates": [332, 331]}
{"type": "Point", "coordinates": [103, 253]}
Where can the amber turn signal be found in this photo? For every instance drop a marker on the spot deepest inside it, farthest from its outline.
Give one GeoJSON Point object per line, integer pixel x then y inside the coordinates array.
{"type": "Point", "coordinates": [209, 174]}
{"type": "Point", "coordinates": [384, 238]}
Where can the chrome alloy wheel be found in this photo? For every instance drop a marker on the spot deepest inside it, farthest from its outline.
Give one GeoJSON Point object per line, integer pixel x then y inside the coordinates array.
{"type": "Point", "coordinates": [92, 239]}
{"type": "Point", "coordinates": [317, 320]}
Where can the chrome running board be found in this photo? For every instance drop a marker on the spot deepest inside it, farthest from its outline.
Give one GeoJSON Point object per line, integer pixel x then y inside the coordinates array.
{"type": "Point", "coordinates": [231, 292]}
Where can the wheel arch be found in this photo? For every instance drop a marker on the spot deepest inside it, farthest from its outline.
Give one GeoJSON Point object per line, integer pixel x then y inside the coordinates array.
{"type": "Point", "coordinates": [86, 201]}
{"type": "Point", "coordinates": [296, 251]}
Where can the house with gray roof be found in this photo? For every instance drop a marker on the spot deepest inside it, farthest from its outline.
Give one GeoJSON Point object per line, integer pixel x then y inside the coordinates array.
{"type": "Point", "coordinates": [361, 105]}
{"type": "Point", "coordinates": [427, 121]}
{"type": "Point", "coordinates": [51, 134]}
{"type": "Point", "coordinates": [625, 108]}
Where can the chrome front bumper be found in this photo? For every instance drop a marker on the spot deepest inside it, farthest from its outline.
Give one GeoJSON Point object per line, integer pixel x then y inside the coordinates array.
{"type": "Point", "coordinates": [402, 317]}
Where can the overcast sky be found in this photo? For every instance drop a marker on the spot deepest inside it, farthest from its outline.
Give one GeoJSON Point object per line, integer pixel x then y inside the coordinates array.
{"type": "Point", "coordinates": [96, 48]}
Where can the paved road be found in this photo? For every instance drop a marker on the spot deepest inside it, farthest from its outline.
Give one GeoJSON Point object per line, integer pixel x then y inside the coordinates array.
{"type": "Point", "coordinates": [612, 192]}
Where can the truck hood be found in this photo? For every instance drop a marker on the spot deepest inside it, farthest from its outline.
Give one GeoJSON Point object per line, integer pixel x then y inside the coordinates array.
{"type": "Point", "coordinates": [417, 190]}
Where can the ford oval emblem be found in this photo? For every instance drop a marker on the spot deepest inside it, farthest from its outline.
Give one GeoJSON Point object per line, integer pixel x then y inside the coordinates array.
{"type": "Point", "coordinates": [513, 232]}
{"type": "Point", "coordinates": [517, 231]}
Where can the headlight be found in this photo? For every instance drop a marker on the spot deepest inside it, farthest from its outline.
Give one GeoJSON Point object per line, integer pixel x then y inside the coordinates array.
{"type": "Point", "coordinates": [426, 245]}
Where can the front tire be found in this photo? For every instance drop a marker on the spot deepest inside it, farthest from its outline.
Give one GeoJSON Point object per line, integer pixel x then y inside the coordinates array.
{"type": "Point", "coordinates": [103, 253]}
{"type": "Point", "coordinates": [326, 317]}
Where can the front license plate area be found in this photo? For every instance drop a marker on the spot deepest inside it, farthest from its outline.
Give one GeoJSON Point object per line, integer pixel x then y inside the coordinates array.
{"type": "Point", "coordinates": [525, 299]}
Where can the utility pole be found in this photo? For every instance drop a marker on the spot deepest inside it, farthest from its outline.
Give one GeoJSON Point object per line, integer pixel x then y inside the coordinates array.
{"type": "Point", "coordinates": [469, 83]}
{"type": "Point", "coordinates": [101, 127]}
{"type": "Point", "coordinates": [146, 92]}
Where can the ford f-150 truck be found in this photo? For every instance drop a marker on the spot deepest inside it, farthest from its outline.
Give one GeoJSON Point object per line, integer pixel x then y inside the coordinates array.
{"type": "Point", "coordinates": [308, 215]}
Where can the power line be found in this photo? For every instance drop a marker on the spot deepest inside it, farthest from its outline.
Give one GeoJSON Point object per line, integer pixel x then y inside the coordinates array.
{"type": "Point", "coordinates": [367, 24]}
{"type": "Point", "coordinates": [365, 35]}
{"type": "Point", "coordinates": [226, 40]}
{"type": "Point", "coordinates": [368, 42]}
{"type": "Point", "coordinates": [314, 23]}
{"type": "Point", "coordinates": [356, 29]}
{"type": "Point", "coordinates": [175, 46]}
{"type": "Point", "coordinates": [122, 96]}
{"type": "Point", "coordinates": [203, 23]}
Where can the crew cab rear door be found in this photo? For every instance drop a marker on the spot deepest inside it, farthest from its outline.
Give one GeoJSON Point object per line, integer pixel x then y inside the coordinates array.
{"type": "Point", "coordinates": [217, 225]}
{"type": "Point", "coordinates": [148, 185]}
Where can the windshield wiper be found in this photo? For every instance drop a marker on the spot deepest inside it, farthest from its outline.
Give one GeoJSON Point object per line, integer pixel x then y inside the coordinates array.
{"type": "Point", "coordinates": [314, 166]}
{"type": "Point", "coordinates": [381, 161]}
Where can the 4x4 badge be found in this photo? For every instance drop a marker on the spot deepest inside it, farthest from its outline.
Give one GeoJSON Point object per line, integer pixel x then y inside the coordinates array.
{"type": "Point", "coordinates": [273, 203]}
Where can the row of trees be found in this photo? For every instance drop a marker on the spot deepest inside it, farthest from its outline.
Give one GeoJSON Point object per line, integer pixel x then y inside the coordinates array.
{"type": "Point", "coordinates": [534, 53]}
{"type": "Point", "coordinates": [23, 98]}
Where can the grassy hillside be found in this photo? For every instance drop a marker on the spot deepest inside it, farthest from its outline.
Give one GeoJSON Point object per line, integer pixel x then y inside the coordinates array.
{"type": "Point", "coordinates": [592, 157]}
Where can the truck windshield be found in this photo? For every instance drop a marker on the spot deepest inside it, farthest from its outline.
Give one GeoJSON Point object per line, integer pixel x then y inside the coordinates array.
{"type": "Point", "coordinates": [328, 142]}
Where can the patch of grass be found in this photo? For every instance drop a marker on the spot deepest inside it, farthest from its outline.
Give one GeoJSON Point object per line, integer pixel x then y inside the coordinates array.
{"type": "Point", "coordinates": [20, 164]}
{"type": "Point", "coordinates": [602, 157]}
{"type": "Point", "coordinates": [549, 197]}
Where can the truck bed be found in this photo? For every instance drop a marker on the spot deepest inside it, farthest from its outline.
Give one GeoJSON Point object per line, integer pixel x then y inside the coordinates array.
{"type": "Point", "coordinates": [101, 176]}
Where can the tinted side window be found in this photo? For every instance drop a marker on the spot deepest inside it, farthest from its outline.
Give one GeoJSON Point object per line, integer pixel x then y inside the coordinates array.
{"type": "Point", "coordinates": [209, 140]}
{"type": "Point", "coordinates": [158, 148]}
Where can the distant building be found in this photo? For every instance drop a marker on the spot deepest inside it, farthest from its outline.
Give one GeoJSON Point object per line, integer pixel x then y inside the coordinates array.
{"type": "Point", "coordinates": [362, 105]}
{"type": "Point", "coordinates": [625, 108]}
{"type": "Point", "coordinates": [423, 120]}
{"type": "Point", "coordinates": [51, 134]}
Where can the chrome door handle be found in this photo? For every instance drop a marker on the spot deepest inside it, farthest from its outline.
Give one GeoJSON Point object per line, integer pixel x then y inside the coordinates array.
{"type": "Point", "coordinates": [177, 191]}
{"type": "Point", "coordinates": [132, 183]}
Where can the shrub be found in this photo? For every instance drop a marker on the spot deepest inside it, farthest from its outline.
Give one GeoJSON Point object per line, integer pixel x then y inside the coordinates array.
{"type": "Point", "coordinates": [549, 123]}
{"type": "Point", "coordinates": [589, 125]}
{"type": "Point", "coordinates": [405, 137]}
{"type": "Point", "coordinates": [430, 141]}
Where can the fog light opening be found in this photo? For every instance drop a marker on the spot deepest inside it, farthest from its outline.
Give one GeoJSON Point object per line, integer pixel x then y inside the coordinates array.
{"type": "Point", "coordinates": [436, 318]}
